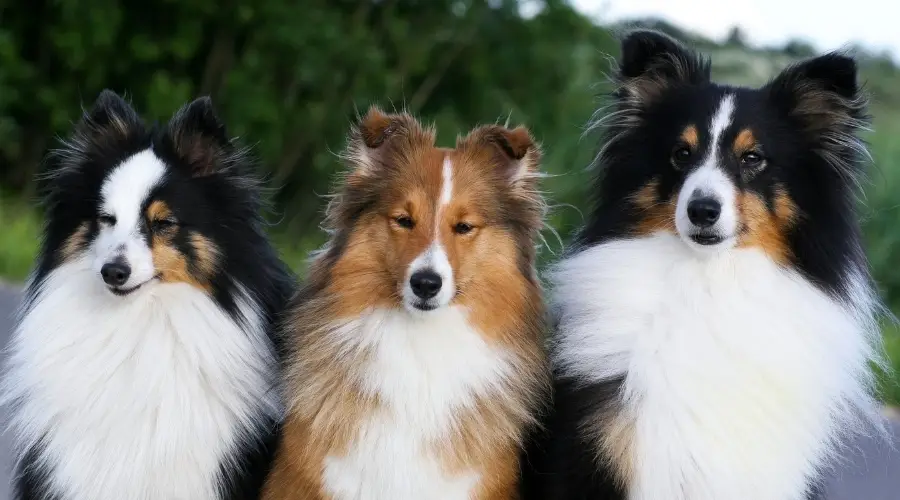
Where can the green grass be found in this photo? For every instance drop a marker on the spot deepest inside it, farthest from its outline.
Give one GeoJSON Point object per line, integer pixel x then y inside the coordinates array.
{"type": "Point", "coordinates": [19, 238]}
{"type": "Point", "coordinates": [889, 383]}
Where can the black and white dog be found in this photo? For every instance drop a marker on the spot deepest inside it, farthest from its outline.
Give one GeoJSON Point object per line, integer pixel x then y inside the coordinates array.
{"type": "Point", "coordinates": [716, 318]}
{"type": "Point", "coordinates": [144, 365]}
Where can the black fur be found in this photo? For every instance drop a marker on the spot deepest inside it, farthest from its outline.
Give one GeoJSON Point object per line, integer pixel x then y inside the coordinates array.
{"type": "Point", "coordinates": [210, 188]}
{"type": "Point", "coordinates": [807, 120]}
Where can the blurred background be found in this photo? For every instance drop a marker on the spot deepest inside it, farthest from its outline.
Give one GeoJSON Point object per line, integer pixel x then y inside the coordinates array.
{"type": "Point", "coordinates": [290, 76]}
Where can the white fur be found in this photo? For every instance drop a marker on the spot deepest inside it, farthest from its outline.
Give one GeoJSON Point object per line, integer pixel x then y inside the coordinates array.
{"type": "Point", "coordinates": [447, 178]}
{"type": "Point", "coordinates": [122, 196]}
{"type": "Point", "coordinates": [739, 374]}
{"type": "Point", "coordinates": [708, 181]}
{"type": "Point", "coordinates": [139, 397]}
{"type": "Point", "coordinates": [435, 259]}
{"type": "Point", "coordinates": [721, 120]}
{"type": "Point", "coordinates": [425, 369]}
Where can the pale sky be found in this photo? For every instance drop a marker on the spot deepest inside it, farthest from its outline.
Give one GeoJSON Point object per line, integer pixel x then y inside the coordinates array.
{"type": "Point", "coordinates": [871, 23]}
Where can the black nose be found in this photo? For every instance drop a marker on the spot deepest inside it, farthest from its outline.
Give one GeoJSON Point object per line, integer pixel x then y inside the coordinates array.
{"type": "Point", "coordinates": [704, 212]}
{"type": "Point", "coordinates": [425, 284]}
{"type": "Point", "coordinates": [115, 273]}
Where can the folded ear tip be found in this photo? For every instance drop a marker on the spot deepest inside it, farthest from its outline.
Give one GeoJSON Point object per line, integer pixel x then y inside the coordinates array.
{"type": "Point", "coordinates": [374, 110]}
{"type": "Point", "coordinates": [642, 46]}
{"type": "Point", "coordinates": [376, 126]}
{"type": "Point", "coordinates": [520, 141]}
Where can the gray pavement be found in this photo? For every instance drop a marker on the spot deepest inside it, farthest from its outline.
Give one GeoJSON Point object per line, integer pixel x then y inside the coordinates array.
{"type": "Point", "coordinates": [9, 300]}
{"type": "Point", "coordinates": [871, 469]}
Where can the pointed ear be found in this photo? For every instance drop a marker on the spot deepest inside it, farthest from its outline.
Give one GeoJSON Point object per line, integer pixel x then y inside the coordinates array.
{"type": "Point", "coordinates": [652, 62]}
{"type": "Point", "coordinates": [109, 122]}
{"type": "Point", "coordinates": [108, 128]}
{"type": "Point", "coordinates": [378, 135]}
{"type": "Point", "coordinates": [110, 114]}
{"type": "Point", "coordinates": [199, 138]}
{"type": "Point", "coordinates": [512, 150]}
{"type": "Point", "coordinates": [822, 94]}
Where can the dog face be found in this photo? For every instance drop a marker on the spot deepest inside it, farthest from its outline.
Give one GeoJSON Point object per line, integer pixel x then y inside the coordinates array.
{"type": "Point", "coordinates": [726, 167]}
{"type": "Point", "coordinates": [146, 207]}
{"type": "Point", "coordinates": [428, 226]}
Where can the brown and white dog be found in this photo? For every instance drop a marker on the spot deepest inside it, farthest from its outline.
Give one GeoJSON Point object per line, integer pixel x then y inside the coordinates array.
{"type": "Point", "coordinates": [418, 361]}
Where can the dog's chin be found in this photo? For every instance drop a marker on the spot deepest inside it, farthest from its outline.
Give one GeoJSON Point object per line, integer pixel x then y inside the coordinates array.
{"type": "Point", "coordinates": [125, 292]}
{"type": "Point", "coordinates": [708, 241]}
{"type": "Point", "coordinates": [422, 307]}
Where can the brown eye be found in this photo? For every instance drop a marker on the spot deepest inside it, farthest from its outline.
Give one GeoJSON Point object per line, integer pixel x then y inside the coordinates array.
{"type": "Point", "coordinates": [462, 228]}
{"type": "Point", "coordinates": [161, 225]}
{"type": "Point", "coordinates": [681, 156]}
{"type": "Point", "coordinates": [751, 160]}
{"type": "Point", "coordinates": [404, 221]}
{"type": "Point", "coordinates": [106, 219]}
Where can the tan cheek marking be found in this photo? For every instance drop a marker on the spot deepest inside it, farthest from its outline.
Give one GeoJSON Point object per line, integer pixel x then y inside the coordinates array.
{"type": "Point", "coordinates": [767, 230]}
{"type": "Point", "coordinates": [361, 278]}
{"type": "Point", "coordinates": [171, 265]}
{"type": "Point", "coordinates": [74, 243]}
{"type": "Point", "coordinates": [691, 137]}
{"type": "Point", "coordinates": [655, 214]}
{"type": "Point", "coordinates": [206, 255]}
{"type": "Point", "coordinates": [745, 141]}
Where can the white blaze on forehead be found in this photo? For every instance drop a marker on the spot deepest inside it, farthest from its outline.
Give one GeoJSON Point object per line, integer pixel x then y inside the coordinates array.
{"type": "Point", "coordinates": [434, 258]}
{"type": "Point", "coordinates": [720, 121]}
{"type": "Point", "coordinates": [129, 185]}
{"type": "Point", "coordinates": [123, 196]}
{"type": "Point", "coordinates": [710, 180]}
{"type": "Point", "coordinates": [447, 183]}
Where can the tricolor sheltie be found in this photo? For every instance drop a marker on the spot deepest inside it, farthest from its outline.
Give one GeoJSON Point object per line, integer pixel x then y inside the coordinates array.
{"type": "Point", "coordinates": [415, 361]}
{"type": "Point", "coordinates": [716, 318]}
{"type": "Point", "coordinates": [143, 366]}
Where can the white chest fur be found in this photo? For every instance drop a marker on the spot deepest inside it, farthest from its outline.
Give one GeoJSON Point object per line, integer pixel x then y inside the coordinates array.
{"type": "Point", "coordinates": [425, 370]}
{"type": "Point", "coordinates": [140, 397]}
{"type": "Point", "coordinates": [738, 373]}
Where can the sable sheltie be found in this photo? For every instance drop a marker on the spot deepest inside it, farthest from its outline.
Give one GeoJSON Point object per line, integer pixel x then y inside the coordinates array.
{"type": "Point", "coordinates": [715, 319]}
{"type": "Point", "coordinates": [416, 357]}
{"type": "Point", "coordinates": [144, 366]}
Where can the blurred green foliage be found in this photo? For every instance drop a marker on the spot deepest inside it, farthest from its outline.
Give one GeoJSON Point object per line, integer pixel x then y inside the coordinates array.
{"type": "Point", "coordinates": [290, 77]}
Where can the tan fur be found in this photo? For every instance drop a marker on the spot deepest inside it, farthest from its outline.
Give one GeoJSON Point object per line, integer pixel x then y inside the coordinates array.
{"type": "Point", "coordinates": [691, 137]}
{"type": "Point", "coordinates": [171, 265]}
{"type": "Point", "coordinates": [744, 142]}
{"type": "Point", "coordinates": [759, 226]}
{"type": "Point", "coordinates": [820, 109]}
{"type": "Point", "coordinates": [158, 210]}
{"type": "Point", "coordinates": [656, 214]}
{"type": "Point", "coordinates": [75, 243]}
{"type": "Point", "coordinates": [765, 228]}
{"type": "Point", "coordinates": [612, 431]}
{"type": "Point", "coordinates": [396, 166]}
